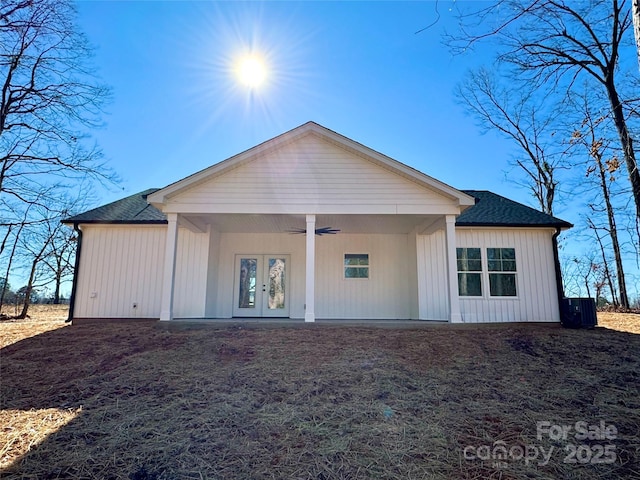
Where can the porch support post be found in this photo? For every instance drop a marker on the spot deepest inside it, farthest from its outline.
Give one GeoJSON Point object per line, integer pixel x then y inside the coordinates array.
{"type": "Point", "coordinates": [452, 268]}
{"type": "Point", "coordinates": [310, 283]}
{"type": "Point", "coordinates": [168, 277]}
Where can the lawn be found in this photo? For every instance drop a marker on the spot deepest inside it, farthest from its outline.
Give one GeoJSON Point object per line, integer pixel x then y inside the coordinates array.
{"type": "Point", "coordinates": [140, 401]}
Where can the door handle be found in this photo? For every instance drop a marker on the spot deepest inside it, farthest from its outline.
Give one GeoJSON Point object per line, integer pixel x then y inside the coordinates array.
{"type": "Point", "coordinates": [264, 287]}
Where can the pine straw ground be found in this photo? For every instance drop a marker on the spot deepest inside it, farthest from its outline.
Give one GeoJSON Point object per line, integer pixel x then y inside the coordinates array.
{"type": "Point", "coordinates": [138, 401]}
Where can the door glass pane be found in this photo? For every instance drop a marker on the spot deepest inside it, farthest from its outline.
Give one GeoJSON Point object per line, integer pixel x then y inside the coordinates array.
{"type": "Point", "coordinates": [277, 272]}
{"type": "Point", "coordinates": [247, 297]}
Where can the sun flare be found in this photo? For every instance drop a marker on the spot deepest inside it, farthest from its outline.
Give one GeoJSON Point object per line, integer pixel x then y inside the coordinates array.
{"type": "Point", "coordinates": [251, 71]}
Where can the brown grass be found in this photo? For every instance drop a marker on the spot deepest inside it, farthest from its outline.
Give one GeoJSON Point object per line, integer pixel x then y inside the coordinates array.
{"type": "Point", "coordinates": [138, 401]}
{"type": "Point", "coordinates": [42, 318]}
{"type": "Point", "coordinates": [623, 322]}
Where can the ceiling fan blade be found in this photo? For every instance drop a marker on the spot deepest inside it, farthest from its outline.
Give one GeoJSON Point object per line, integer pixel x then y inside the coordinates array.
{"type": "Point", "coordinates": [319, 231]}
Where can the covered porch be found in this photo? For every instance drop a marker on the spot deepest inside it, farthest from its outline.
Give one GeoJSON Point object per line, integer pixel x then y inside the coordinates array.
{"type": "Point", "coordinates": [202, 274]}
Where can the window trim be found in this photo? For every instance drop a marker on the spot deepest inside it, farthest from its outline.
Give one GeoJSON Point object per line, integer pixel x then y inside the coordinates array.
{"type": "Point", "coordinates": [499, 273]}
{"type": "Point", "coordinates": [485, 274]}
{"type": "Point", "coordinates": [366, 267]}
{"type": "Point", "coordinates": [479, 273]}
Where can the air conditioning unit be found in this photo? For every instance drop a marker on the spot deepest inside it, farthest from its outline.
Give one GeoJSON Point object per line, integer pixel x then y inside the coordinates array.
{"type": "Point", "coordinates": [578, 313]}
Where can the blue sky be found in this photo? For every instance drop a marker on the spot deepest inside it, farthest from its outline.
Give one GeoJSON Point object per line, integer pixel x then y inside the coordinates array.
{"type": "Point", "coordinates": [358, 68]}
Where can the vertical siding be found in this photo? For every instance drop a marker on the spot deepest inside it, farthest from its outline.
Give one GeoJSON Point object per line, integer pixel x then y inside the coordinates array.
{"type": "Point", "coordinates": [385, 295]}
{"type": "Point", "coordinates": [432, 277]}
{"type": "Point", "coordinates": [190, 288]}
{"type": "Point", "coordinates": [536, 299]}
{"type": "Point", "coordinates": [120, 266]}
{"type": "Point", "coordinates": [213, 274]}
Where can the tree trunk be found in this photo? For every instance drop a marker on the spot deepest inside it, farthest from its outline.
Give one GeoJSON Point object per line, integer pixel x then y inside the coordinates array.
{"type": "Point", "coordinates": [607, 272]}
{"type": "Point", "coordinates": [56, 294]}
{"type": "Point", "coordinates": [635, 5]}
{"type": "Point", "coordinates": [613, 233]}
{"type": "Point", "coordinates": [625, 140]}
{"type": "Point", "coordinates": [27, 291]}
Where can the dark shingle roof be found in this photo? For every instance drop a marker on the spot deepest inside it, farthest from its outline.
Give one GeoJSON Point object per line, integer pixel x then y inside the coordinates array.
{"type": "Point", "coordinates": [492, 210]}
{"type": "Point", "coordinates": [132, 209]}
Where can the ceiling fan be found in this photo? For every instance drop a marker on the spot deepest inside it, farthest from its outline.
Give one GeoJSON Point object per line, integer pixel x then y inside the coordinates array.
{"type": "Point", "coordinates": [319, 231]}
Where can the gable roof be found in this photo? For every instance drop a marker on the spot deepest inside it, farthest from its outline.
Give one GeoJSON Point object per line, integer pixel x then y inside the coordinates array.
{"type": "Point", "coordinates": [490, 210]}
{"type": "Point", "coordinates": [493, 210]}
{"type": "Point", "coordinates": [133, 209]}
{"type": "Point", "coordinates": [311, 128]}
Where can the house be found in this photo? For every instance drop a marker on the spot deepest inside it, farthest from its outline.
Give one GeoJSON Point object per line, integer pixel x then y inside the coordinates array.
{"type": "Point", "coordinates": [237, 240]}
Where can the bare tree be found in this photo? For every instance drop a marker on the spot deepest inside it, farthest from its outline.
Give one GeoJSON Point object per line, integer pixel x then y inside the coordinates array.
{"type": "Point", "coordinates": [636, 26]}
{"type": "Point", "coordinates": [519, 115]}
{"type": "Point", "coordinates": [608, 277]}
{"type": "Point", "coordinates": [553, 42]}
{"type": "Point", "coordinates": [592, 136]}
{"type": "Point", "coordinates": [49, 97]}
{"type": "Point", "coordinates": [58, 262]}
{"type": "Point", "coordinates": [50, 100]}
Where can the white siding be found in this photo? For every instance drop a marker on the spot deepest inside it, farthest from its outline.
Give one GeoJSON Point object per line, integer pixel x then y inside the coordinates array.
{"type": "Point", "coordinates": [120, 266]}
{"type": "Point", "coordinates": [311, 176]}
{"type": "Point", "coordinates": [432, 277]}
{"type": "Point", "coordinates": [536, 299]}
{"type": "Point", "coordinates": [384, 295]}
{"type": "Point", "coordinates": [190, 289]}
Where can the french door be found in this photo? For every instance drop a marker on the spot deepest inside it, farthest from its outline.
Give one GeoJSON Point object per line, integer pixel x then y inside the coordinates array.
{"type": "Point", "coordinates": [261, 286]}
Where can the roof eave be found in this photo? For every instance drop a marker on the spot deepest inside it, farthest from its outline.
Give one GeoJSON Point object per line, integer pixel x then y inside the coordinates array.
{"type": "Point", "coordinates": [70, 221]}
{"type": "Point", "coordinates": [561, 225]}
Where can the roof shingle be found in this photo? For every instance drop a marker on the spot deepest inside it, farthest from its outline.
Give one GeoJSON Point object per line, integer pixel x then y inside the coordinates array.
{"type": "Point", "coordinates": [490, 210]}
{"type": "Point", "coordinates": [130, 210]}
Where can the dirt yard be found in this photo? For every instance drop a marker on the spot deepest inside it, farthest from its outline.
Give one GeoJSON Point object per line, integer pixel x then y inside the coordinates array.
{"type": "Point", "coordinates": [139, 401]}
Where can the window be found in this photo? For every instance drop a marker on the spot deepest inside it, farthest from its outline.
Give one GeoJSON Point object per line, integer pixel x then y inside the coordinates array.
{"type": "Point", "coordinates": [469, 272]}
{"type": "Point", "coordinates": [501, 263]}
{"type": "Point", "coordinates": [356, 265]}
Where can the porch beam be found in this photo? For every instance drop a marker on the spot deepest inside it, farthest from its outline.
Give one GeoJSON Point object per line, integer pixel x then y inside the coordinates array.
{"type": "Point", "coordinates": [310, 281]}
{"type": "Point", "coordinates": [169, 273]}
{"type": "Point", "coordinates": [454, 299]}
{"type": "Point", "coordinates": [192, 225]}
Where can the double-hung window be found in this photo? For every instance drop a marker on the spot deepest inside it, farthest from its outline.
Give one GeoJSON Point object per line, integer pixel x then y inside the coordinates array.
{"type": "Point", "coordinates": [501, 263]}
{"type": "Point", "coordinates": [469, 272]}
{"type": "Point", "coordinates": [500, 270]}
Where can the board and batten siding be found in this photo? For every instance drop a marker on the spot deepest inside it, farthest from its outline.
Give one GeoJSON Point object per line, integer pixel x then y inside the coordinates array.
{"type": "Point", "coordinates": [432, 277]}
{"type": "Point", "coordinates": [190, 287]}
{"type": "Point", "coordinates": [536, 299]}
{"type": "Point", "coordinates": [122, 265]}
{"type": "Point", "coordinates": [310, 176]}
{"type": "Point", "coordinates": [386, 294]}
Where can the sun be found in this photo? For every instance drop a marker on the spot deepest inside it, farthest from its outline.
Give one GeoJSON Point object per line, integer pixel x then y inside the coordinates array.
{"type": "Point", "coordinates": [251, 71]}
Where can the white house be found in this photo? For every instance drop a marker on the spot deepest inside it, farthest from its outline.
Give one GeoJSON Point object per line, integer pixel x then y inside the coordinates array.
{"type": "Point", "coordinates": [235, 240]}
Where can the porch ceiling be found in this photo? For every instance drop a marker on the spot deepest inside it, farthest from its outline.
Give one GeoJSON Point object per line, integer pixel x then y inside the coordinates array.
{"type": "Point", "coordinates": [385, 224]}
